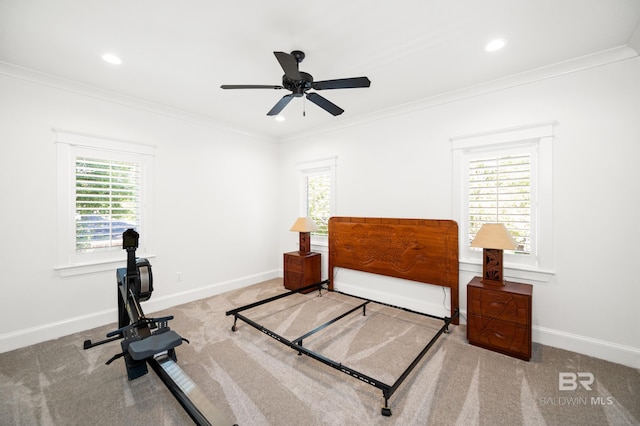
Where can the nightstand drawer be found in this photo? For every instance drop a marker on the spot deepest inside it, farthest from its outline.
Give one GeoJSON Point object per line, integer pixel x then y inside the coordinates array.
{"type": "Point", "coordinates": [294, 263]}
{"type": "Point", "coordinates": [499, 305]}
{"type": "Point", "coordinates": [501, 336]}
{"type": "Point", "coordinates": [293, 280]}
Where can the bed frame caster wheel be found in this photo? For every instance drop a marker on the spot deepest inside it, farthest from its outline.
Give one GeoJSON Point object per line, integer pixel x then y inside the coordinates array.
{"type": "Point", "coordinates": [386, 411]}
{"type": "Point", "coordinates": [234, 328]}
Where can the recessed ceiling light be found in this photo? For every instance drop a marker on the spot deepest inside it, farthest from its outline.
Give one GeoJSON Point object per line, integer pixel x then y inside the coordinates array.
{"type": "Point", "coordinates": [494, 45]}
{"type": "Point", "coordinates": [280, 118]}
{"type": "Point", "coordinates": [111, 58]}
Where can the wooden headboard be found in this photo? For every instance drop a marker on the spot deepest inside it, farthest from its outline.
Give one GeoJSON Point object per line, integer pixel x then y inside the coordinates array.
{"type": "Point", "coordinates": [420, 250]}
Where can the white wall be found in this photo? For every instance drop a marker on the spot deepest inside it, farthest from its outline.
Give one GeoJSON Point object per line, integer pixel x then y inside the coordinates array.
{"type": "Point", "coordinates": [208, 182]}
{"type": "Point", "coordinates": [401, 166]}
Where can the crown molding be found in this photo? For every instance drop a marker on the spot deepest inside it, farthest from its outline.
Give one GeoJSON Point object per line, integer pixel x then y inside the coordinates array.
{"type": "Point", "coordinates": [27, 74]}
{"type": "Point", "coordinates": [595, 60]}
{"type": "Point", "coordinates": [634, 40]}
{"type": "Point", "coordinates": [598, 59]}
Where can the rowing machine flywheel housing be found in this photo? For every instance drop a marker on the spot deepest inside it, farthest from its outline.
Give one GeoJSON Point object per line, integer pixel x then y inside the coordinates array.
{"type": "Point", "coordinates": [145, 288]}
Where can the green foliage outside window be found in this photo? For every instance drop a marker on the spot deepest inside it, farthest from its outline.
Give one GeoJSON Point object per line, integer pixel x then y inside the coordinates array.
{"type": "Point", "coordinates": [319, 201]}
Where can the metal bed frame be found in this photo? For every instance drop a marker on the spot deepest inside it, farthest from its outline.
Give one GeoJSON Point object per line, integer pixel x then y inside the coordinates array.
{"type": "Point", "coordinates": [297, 343]}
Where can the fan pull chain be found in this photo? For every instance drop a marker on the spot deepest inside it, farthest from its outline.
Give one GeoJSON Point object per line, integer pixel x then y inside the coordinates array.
{"type": "Point", "coordinates": [304, 106]}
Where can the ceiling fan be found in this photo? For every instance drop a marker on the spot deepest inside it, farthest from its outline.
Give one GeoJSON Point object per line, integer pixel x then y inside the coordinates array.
{"type": "Point", "coordinates": [299, 83]}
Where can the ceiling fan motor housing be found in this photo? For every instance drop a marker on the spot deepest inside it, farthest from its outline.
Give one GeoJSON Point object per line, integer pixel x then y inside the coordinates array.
{"type": "Point", "coordinates": [298, 87]}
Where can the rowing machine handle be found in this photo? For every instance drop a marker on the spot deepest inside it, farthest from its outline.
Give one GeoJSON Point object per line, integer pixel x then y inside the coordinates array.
{"type": "Point", "coordinates": [146, 321]}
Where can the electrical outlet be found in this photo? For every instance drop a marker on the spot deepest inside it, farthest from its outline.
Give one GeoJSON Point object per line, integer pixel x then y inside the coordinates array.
{"type": "Point", "coordinates": [179, 276]}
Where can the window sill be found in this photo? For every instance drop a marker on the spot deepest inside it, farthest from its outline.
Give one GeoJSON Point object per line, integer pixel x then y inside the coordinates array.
{"type": "Point", "coordinates": [91, 268]}
{"type": "Point", "coordinates": [514, 272]}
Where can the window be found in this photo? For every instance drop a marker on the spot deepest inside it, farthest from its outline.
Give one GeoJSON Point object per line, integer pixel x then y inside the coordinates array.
{"type": "Point", "coordinates": [317, 195]}
{"type": "Point", "coordinates": [499, 191]}
{"type": "Point", "coordinates": [505, 177]}
{"type": "Point", "coordinates": [103, 190]}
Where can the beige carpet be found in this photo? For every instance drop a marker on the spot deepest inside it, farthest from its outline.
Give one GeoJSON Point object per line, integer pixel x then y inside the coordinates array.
{"type": "Point", "coordinates": [255, 380]}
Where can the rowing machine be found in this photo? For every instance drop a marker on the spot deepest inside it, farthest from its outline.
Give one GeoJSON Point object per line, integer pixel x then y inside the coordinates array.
{"type": "Point", "coordinates": [150, 341]}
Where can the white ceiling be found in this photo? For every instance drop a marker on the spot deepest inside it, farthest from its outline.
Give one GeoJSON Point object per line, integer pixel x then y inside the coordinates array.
{"type": "Point", "coordinates": [178, 53]}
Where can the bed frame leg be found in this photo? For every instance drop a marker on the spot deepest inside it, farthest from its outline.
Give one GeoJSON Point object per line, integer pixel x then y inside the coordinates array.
{"type": "Point", "coordinates": [386, 411]}
{"type": "Point", "coordinates": [233, 327]}
{"type": "Point", "coordinates": [447, 320]}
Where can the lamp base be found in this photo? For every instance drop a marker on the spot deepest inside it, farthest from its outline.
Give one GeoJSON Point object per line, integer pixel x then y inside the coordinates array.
{"type": "Point", "coordinates": [492, 271]}
{"type": "Point", "coordinates": [305, 242]}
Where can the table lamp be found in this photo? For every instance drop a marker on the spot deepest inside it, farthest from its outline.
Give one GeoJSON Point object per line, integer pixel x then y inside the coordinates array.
{"type": "Point", "coordinates": [305, 226]}
{"type": "Point", "coordinates": [493, 238]}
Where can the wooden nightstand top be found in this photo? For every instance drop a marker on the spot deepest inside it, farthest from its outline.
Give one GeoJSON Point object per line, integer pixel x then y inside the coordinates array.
{"type": "Point", "coordinates": [300, 254]}
{"type": "Point", "coordinates": [509, 286]}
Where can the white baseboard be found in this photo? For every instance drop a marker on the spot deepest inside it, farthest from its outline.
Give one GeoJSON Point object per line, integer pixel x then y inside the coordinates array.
{"type": "Point", "coordinates": [613, 352]}
{"type": "Point", "coordinates": [54, 330]}
{"type": "Point", "coordinates": [30, 336]}
{"type": "Point", "coordinates": [620, 354]}
{"type": "Point", "coordinates": [154, 305]}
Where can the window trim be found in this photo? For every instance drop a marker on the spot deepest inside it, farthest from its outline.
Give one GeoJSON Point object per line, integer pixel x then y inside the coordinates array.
{"type": "Point", "coordinates": [539, 137]}
{"type": "Point", "coordinates": [68, 146]}
{"type": "Point", "coordinates": [314, 167]}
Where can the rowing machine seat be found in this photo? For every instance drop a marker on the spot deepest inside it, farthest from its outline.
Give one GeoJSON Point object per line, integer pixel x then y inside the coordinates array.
{"type": "Point", "coordinates": [154, 344]}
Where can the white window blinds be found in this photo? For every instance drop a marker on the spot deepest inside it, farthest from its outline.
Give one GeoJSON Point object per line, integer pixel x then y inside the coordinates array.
{"type": "Point", "coordinates": [500, 192]}
{"type": "Point", "coordinates": [107, 201]}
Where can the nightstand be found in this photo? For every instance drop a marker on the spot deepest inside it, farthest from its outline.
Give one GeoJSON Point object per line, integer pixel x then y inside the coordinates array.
{"type": "Point", "coordinates": [499, 317]}
{"type": "Point", "coordinates": [301, 270]}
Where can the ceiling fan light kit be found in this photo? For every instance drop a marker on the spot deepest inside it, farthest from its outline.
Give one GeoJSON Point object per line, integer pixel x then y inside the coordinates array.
{"type": "Point", "coordinates": [299, 83]}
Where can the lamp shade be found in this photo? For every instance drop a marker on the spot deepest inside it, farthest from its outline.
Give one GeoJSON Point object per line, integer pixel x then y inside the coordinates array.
{"type": "Point", "coordinates": [304, 224]}
{"type": "Point", "coordinates": [494, 236]}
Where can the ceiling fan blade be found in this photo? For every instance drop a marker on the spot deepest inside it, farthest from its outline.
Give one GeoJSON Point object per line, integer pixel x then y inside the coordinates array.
{"type": "Point", "coordinates": [288, 64]}
{"type": "Point", "coordinates": [280, 105]}
{"type": "Point", "coordinates": [342, 83]}
{"type": "Point", "coordinates": [249, 86]}
{"type": "Point", "coordinates": [323, 103]}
